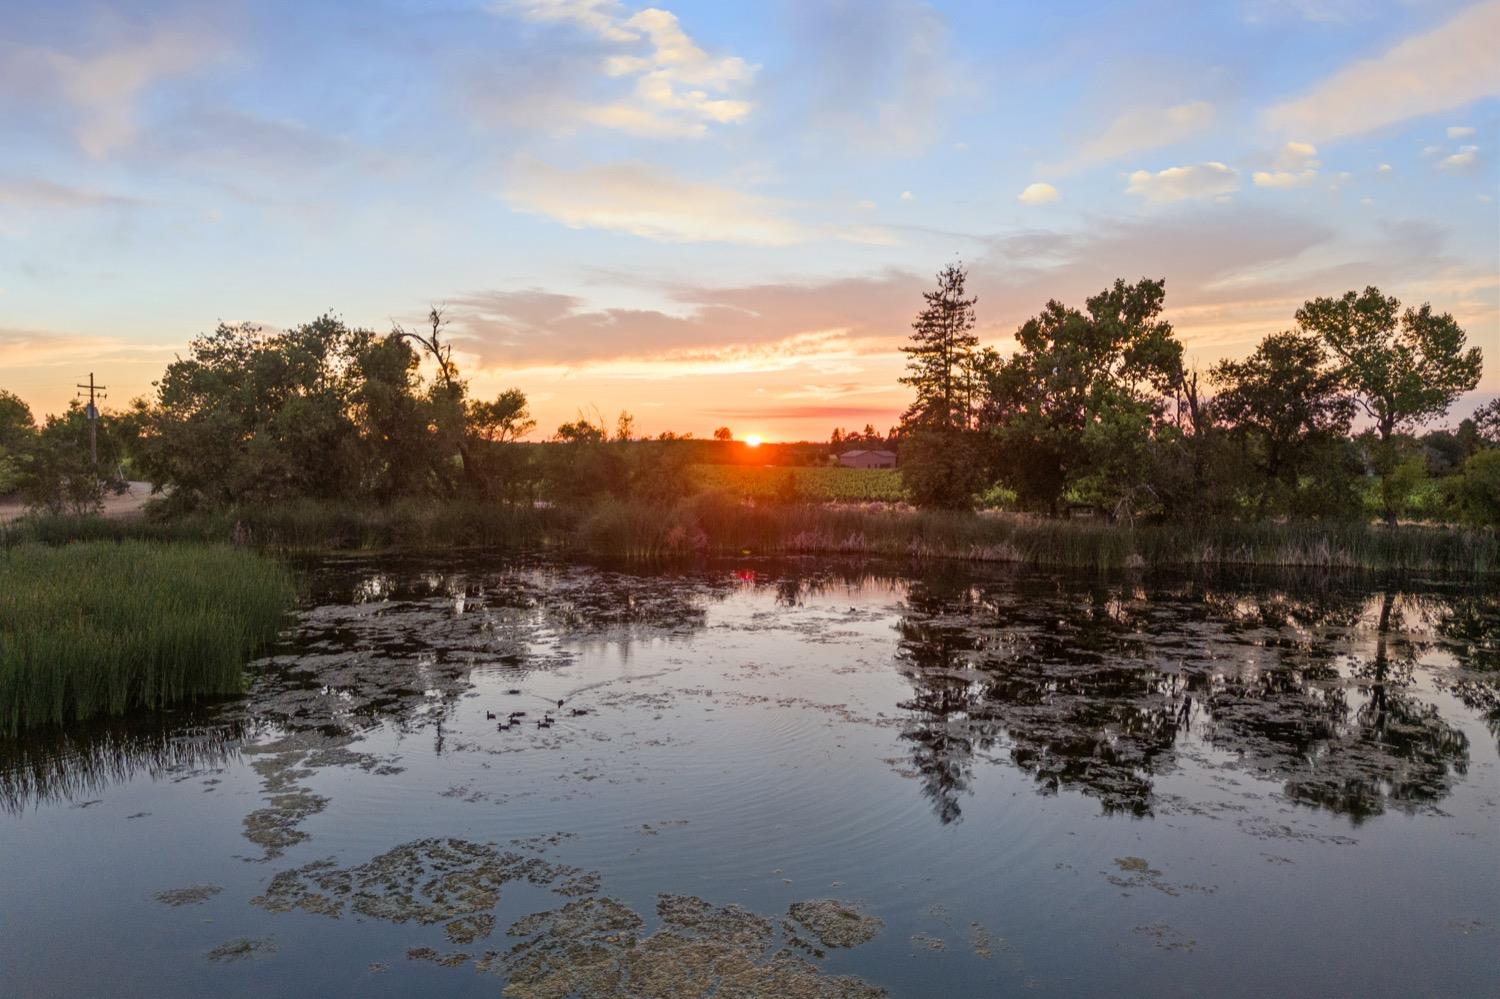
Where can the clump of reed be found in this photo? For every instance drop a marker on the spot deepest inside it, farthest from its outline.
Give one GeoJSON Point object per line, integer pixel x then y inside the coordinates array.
{"type": "Point", "coordinates": [101, 628]}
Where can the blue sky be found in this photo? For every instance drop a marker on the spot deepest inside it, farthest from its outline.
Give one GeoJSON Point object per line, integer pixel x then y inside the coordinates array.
{"type": "Point", "coordinates": [712, 213]}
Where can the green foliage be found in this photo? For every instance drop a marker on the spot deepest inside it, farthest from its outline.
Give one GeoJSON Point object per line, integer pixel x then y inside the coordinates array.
{"type": "Point", "coordinates": [1403, 368]}
{"type": "Point", "coordinates": [1477, 489]}
{"type": "Point", "coordinates": [1286, 409]}
{"type": "Point", "coordinates": [102, 628]}
{"type": "Point", "coordinates": [940, 356]}
{"type": "Point", "coordinates": [1078, 402]}
{"type": "Point", "coordinates": [940, 467]}
{"type": "Point", "coordinates": [17, 433]}
{"type": "Point", "coordinates": [58, 473]}
{"type": "Point", "coordinates": [323, 411]}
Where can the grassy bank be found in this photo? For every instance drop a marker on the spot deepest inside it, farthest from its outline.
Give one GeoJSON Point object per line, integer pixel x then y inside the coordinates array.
{"type": "Point", "coordinates": [716, 523]}
{"type": "Point", "coordinates": [99, 628]}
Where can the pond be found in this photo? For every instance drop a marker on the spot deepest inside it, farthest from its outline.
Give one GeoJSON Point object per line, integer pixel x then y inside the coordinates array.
{"type": "Point", "coordinates": [787, 778]}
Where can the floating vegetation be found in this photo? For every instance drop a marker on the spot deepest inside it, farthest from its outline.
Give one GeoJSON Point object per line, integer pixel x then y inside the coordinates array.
{"type": "Point", "coordinates": [1167, 938]}
{"type": "Point", "coordinates": [191, 895]}
{"type": "Point", "coordinates": [835, 924]}
{"type": "Point", "coordinates": [593, 947]}
{"type": "Point", "coordinates": [1137, 872]}
{"type": "Point", "coordinates": [928, 941]}
{"type": "Point", "coordinates": [98, 628]}
{"type": "Point", "coordinates": [452, 882]}
{"type": "Point", "coordinates": [243, 949]}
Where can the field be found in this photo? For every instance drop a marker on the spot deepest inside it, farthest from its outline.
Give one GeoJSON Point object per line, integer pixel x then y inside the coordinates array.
{"type": "Point", "coordinates": [100, 628]}
{"type": "Point", "coordinates": [811, 484]}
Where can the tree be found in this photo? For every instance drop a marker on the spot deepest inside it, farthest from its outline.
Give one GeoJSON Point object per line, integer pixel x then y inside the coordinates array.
{"type": "Point", "coordinates": [17, 432]}
{"type": "Point", "coordinates": [1283, 403]}
{"type": "Point", "coordinates": [1403, 367]}
{"type": "Point", "coordinates": [942, 345]}
{"type": "Point", "coordinates": [624, 426]}
{"type": "Point", "coordinates": [937, 449]}
{"type": "Point", "coordinates": [723, 434]}
{"type": "Point", "coordinates": [1077, 404]}
{"type": "Point", "coordinates": [58, 472]}
{"type": "Point", "coordinates": [503, 421]}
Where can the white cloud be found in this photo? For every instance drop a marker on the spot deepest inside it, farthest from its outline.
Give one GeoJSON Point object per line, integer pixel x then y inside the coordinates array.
{"type": "Point", "coordinates": [652, 202]}
{"type": "Point", "coordinates": [1460, 131]}
{"type": "Point", "coordinates": [1038, 194]}
{"type": "Point", "coordinates": [1281, 180]}
{"type": "Point", "coordinates": [1298, 156]}
{"type": "Point", "coordinates": [907, 196]}
{"type": "Point", "coordinates": [1461, 160]}
{"type": "Point", "coordinates": [1383, 168]}
{"type": "Point", "coordinates": [1446, 67]}
{"type": "Point", "coordinates": [1145, 128]}
{"type": "Point", "coordinates": [1198, 180]}
{"type": "Point", "coordinates": [648, 201]}
{"type": "Point", "coordinates": [677, 88]}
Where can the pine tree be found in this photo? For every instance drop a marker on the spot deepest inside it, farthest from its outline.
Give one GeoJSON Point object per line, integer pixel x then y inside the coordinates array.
{"type": "Point", "coordinates": [940, 353]}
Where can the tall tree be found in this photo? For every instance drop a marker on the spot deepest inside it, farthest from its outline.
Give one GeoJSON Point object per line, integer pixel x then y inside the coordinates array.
{"type": "Point", "coordinates": [941, 349]}
{"type": "Point", "coordinates": [1285, 404]}
{"type": "Point", "coordinates": [937, 440]}
{"type": "Point", "coordinates": [1077, 403]}
{"type": "Point", "coordinates": [1403, 367]}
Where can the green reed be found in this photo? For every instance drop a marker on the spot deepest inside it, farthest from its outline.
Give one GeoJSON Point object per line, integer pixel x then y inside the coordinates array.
{"type": "Point", "coordinates": [101, 628]}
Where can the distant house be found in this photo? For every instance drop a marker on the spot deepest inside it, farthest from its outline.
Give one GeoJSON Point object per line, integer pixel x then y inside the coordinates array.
{"type": "Point", "coordinates": [867, 459]}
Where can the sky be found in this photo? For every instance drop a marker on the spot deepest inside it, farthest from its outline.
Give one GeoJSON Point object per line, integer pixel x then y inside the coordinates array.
{"type": "Point", "coordinates": [713, 213]}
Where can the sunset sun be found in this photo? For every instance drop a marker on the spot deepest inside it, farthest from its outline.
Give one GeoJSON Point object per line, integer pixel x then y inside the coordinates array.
{"type": "Point", "coordinates": [753, 440]}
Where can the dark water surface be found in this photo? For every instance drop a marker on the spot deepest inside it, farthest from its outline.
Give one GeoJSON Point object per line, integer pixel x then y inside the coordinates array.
{"type": "Point", "coordinates": [788, 779]}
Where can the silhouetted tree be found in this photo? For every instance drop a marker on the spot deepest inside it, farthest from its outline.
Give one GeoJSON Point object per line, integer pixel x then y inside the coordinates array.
{"type": "Point", "coordinates": [1286, 406]}
{"type": "Point", "coordinates": [723, 434]}
{"type": "Point", "coordinates": [1403, 367]}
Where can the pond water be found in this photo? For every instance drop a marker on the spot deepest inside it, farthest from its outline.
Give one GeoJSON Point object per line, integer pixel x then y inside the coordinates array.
{"type": "Point", "coordinates": [787, 778]}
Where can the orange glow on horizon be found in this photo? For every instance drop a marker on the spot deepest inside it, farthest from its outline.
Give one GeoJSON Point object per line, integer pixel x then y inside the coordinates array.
{"type": "Point", "coordinates": [753, 440]}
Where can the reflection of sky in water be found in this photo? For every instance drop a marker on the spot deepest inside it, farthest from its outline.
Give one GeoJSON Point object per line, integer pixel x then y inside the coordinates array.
{"type": "Point", "coordinates": [1069, 785]}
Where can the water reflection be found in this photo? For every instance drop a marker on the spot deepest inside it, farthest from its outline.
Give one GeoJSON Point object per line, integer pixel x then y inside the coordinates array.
{"type": "Point", "coordinates": [70, 765]}
{"type": "Point", "coordinates": [1101, 688]}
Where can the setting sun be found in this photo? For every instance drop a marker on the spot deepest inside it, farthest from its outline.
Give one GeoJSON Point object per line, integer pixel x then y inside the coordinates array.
{"type": "Point", "coordinates": [753, 440]}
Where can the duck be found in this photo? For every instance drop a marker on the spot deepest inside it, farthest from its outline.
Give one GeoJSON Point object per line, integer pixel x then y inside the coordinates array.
{"type": "Point", "coordinates": [578, 712]}
{"type": "Point", "coordinates": [490, 715]}
{"type": "Point", "coordinates": [559, 702]}
{"type": "Point", "coordinates": [513, 691]}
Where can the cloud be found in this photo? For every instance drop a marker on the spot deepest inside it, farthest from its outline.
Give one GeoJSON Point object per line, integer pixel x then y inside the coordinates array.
{"type": "Point", "coordinates": [1145, 128]}
{"type": "Point", "coordinates": [652, 202]}
{"type": "Point", "coordinates": [1038, 194]}
{"type": "Point", "coordinates": [709, 328]}
{"type": "Point", "coordinates": [35, 193]}
{"type": "Point", "coordinates": [1444, 68]}
{"type": "Point", "coordinates": [876, 75]}
{"type": "Point", "coordinates": [1466, 157]}
{"type": "Point", "coordinates": [1298, 156]}
{"type": "Point", "coordinates": [1199, 180]}
{"type": "Point", "coordinates": [1283, 179]}
{"type": "Point", "coordinates": [1460, 131]}
{"type": "Point", "coordinates": [676, 88]}
{"type": "Point", "coordinates": [907, 196]}
{"type": "Point", "coordinates": [105, 86]}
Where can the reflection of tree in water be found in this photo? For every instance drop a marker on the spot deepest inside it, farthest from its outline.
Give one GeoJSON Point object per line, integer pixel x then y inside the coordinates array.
{"type": "Point", "coordinates": [1099, 689]}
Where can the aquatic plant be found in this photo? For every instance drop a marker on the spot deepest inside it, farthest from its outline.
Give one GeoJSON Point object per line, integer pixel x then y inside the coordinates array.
{"type": "Point", "coordinates": [101, 628]}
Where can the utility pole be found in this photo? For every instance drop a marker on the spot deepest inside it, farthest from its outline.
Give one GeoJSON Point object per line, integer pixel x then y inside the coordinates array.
{"type": "Point", "coordinates": [92, 412]}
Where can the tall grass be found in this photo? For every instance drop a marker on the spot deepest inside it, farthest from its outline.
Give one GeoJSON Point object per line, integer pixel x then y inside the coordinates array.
{"type": "Point", "coordinates": [100, 628]}
{"type": "Point", "coordinates": [717, 523]}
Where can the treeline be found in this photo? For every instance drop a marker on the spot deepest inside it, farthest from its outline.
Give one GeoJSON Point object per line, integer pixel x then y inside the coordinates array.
{"type": "Point", "coordinates": [1094, 409]}
{"type": "Point", "coordinates": [1097, 408]}
{"type": "Point", "coordinates": [327, 412]}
